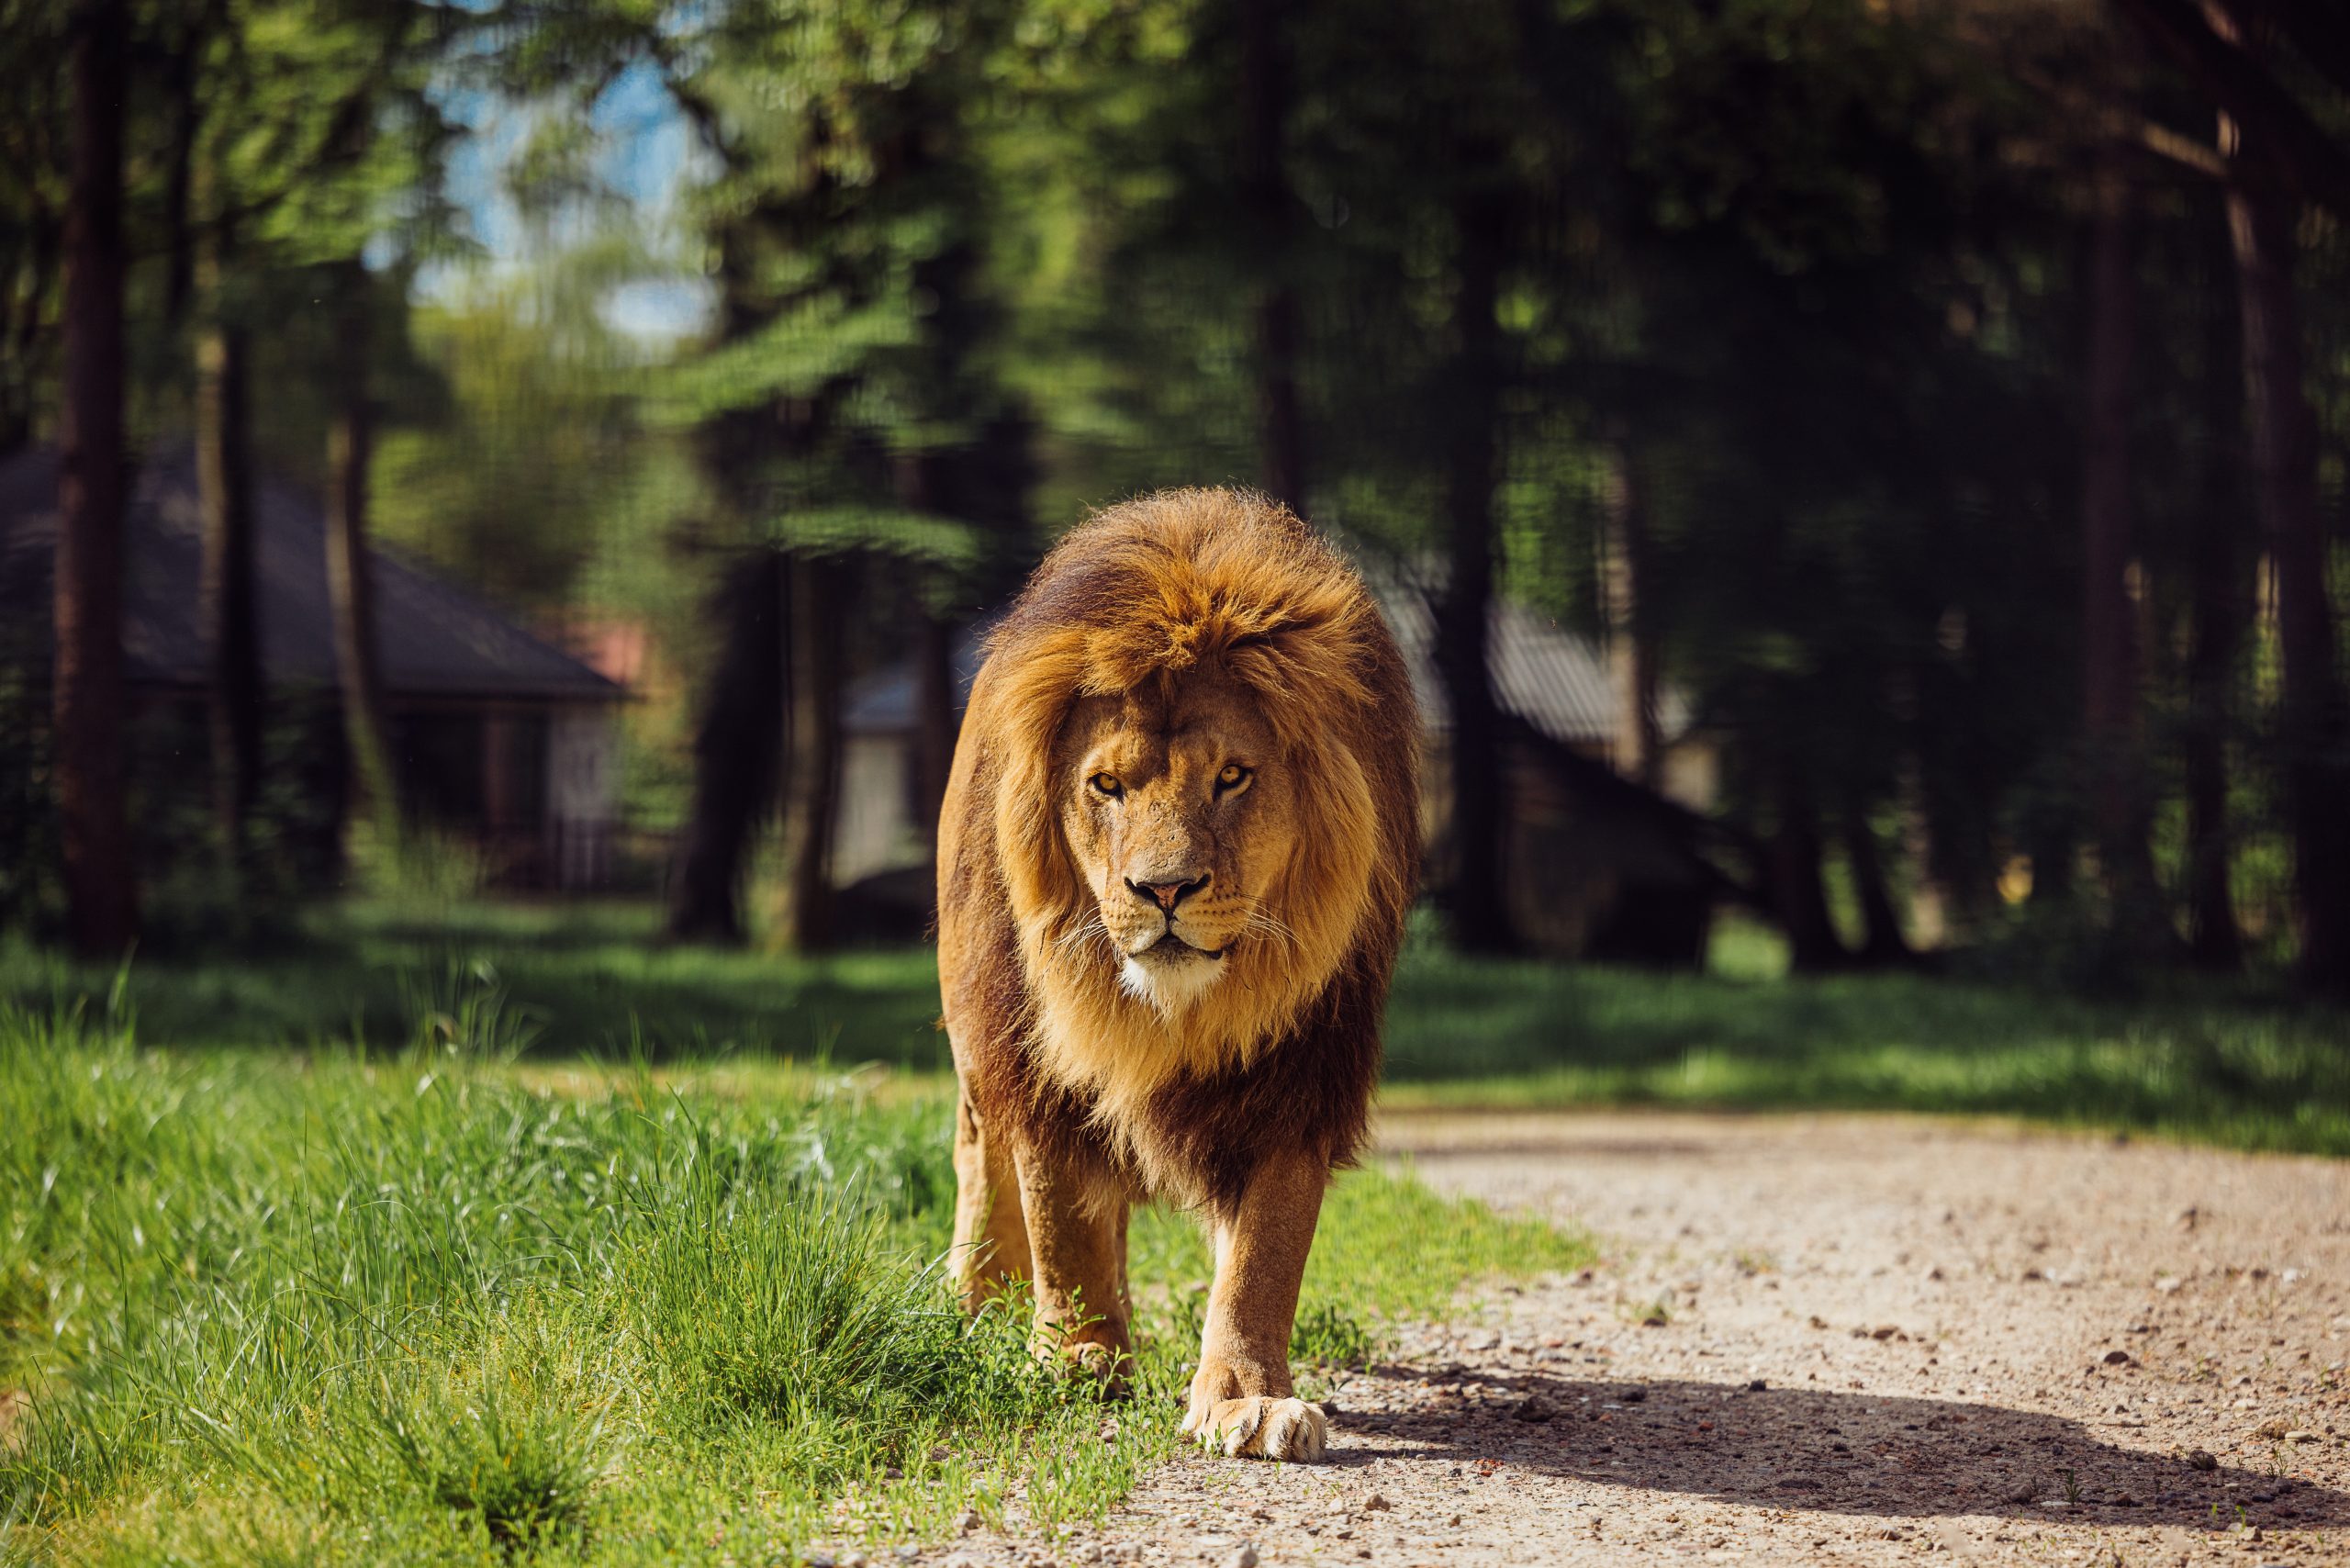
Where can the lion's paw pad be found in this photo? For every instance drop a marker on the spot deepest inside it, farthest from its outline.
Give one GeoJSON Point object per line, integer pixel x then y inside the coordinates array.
{"type": "Point", "coordinates": [1262, 1428]}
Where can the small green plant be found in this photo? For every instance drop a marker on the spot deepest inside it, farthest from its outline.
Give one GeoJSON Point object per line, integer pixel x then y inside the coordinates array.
{"type": "Point", "coordinates": [1330, 1339]}
{"type": "Point", "coordinates": [2072, 1481]}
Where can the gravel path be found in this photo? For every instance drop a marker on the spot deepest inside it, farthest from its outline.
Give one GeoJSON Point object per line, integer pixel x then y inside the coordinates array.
{"type": "Point", "coordinates": [1833, 1339]}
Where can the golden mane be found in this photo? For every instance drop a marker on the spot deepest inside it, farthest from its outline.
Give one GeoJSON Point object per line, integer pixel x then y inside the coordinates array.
{"type": "Point", "coordinates": [1169, 588]}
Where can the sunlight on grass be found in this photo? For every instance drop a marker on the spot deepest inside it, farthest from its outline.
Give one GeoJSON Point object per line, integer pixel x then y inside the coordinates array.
{"type": "Point", "coordinates": [582, 983]}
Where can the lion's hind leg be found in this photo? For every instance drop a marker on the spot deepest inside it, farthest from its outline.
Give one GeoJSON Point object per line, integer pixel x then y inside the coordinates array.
{"type": "Point", "coordinates": [990, 1226]}
{"type": "Point", "coordinates": [1077, 1227]}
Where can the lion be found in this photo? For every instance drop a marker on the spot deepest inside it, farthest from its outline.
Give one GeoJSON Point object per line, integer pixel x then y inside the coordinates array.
{"type": "Point", "coordinates": [1178, 845]}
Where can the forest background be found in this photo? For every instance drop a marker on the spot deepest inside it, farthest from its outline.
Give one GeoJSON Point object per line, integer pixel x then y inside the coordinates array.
{"type": "Point", "coordinates": [1949, 398]}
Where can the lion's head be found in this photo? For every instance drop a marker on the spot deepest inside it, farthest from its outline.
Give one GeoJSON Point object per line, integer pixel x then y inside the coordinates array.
{"type": "Point", "coordinates": [1202, 751]}
{"type": "Point", "coordinates": [1182, 817]}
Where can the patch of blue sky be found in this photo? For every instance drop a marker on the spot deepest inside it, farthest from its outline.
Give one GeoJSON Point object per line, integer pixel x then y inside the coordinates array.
{"type": "Point", "coordinates": [647, 158]}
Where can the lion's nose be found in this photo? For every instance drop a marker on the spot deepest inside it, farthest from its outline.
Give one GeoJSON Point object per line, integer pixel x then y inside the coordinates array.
{"type": "Point", "coordinates": [1167, 895]}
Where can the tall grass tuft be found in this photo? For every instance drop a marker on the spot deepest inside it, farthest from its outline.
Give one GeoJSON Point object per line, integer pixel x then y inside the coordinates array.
{"type": "Point", "coordinates": [780, 1301]}
{"type": "Point", "coordinates": [486, 1445]}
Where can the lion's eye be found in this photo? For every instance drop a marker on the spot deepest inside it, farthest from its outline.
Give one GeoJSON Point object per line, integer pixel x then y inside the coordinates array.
{"type": "Point", "coordinates": [1108, 785]}
{"type": "Point", "coordinates": [1232, 778]}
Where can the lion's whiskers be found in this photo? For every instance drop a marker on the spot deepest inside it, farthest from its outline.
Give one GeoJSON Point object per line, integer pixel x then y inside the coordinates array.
{"type": "Point", "coordinates": [1260, 921]}
{"type": "Point", "coordinates": [1077, 935]}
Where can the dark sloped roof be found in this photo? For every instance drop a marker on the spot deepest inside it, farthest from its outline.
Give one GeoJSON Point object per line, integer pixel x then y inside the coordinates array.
{"type": "Point", "coordinates": [432, 639]}
{"type": "Point", "coordinates": [1554, 679]}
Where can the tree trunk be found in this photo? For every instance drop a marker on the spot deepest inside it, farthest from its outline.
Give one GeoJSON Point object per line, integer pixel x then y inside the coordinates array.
{"type": "Point", "coordinates": [2284, 442]}
{"type": "Point", "coordinates": [226, 592]}
{"type": "Point", "coordinates": [1479, 911]}
{"type": "Point", "coordinates": [350, 587]}
{"type": "Point", "coordinates": [102, 909]}
{"type": "Point", "coordinates": [1265, 197]}
{"type": "Point", "coordinates": [2219, 606]}
{"type": "Point", "coordinates": [736, 750]}
{"type": "Point", "coordinates": [1797, 891]}
{"type": "Point", "coordinates": [1959, 855]}
{"type": "Point", "coordinates": [946, 482]}
{"type": "Point", "coordinates": [1631, 638]}
{"type": "Point", "coordinates": [1934, 904]}
{"type": "Point", "coordinates": [934, 656]}
{"type": "Point", "coordinates": [812, 802]}
{"type": "Point", "coordinates": [1882, 941]}
{"type": "Point", "coordinates": [2111, 746]}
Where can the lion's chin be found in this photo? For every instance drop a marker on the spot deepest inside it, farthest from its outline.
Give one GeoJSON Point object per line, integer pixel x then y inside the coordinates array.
{"type": "Point", "coordinates": [1170, 976]}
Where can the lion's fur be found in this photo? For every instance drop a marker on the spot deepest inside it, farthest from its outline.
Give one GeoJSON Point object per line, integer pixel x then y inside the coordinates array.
{"type": "Point", "coordinates": [1180, 586]}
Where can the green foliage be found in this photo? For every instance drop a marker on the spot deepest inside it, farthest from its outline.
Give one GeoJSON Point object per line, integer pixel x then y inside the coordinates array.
{"type": "Point", "coordinates": [516, 476]}
{"type": "Point", "coordinates": [31, 898]}
{"type": "Point", "coordinates": [194, 900]}
{"type": "Point", "coordinates": [415, 865]}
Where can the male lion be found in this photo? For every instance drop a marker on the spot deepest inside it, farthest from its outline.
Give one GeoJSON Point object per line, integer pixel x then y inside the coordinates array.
{"type": "Point", "coordinates": [1175, 857]}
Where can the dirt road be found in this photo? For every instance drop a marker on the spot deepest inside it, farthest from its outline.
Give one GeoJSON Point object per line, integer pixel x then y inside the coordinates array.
{"type": "Point", "coordinates": [1836, 1339]}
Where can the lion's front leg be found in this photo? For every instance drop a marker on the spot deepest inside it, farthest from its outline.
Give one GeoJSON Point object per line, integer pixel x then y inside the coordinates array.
{"type": "Point", "coordinates": [1242, 1399]}
{"type": "Point", "coordinates": [1077, 1236]}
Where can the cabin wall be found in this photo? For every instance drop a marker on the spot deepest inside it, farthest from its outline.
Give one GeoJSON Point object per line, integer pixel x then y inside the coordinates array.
{"type": "Point", "coordinates": [876, 830]}
{"type": "Point", "coordinates": [582, 795]}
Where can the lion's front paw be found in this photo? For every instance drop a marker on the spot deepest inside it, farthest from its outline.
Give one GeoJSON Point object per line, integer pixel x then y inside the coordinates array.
{"type": "Point", "coordinates": [1263, 1427]}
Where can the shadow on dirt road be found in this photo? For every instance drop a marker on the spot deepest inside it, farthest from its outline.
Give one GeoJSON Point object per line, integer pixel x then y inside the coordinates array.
{"type": "Point", "coordinates": [1885, 1457]}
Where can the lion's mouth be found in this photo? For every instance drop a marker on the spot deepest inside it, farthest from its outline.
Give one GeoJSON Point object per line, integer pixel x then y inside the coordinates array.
{"type": "Point", "coordinates": [1172, 947]}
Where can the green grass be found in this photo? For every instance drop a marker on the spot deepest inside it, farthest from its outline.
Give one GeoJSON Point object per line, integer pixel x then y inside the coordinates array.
{"type": "Point", "coordinates": [506, 1232]}
{"type": "Point", "coordinates": [2211, 1064]}
{"type": "Point", "coordinates": [2204, 1066]}
{"type": "Point", "coordinates": [594, 978]}
{"type": "Point", "coordinates": [422, 1305]}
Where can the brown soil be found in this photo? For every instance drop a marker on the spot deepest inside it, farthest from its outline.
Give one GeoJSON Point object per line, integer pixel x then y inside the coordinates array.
{"type": "Point", "coordinates": [1833, 1339]}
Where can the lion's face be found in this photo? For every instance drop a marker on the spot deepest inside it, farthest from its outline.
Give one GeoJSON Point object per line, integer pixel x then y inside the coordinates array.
{"type": "Point", "coordinates": [1180, 817]}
